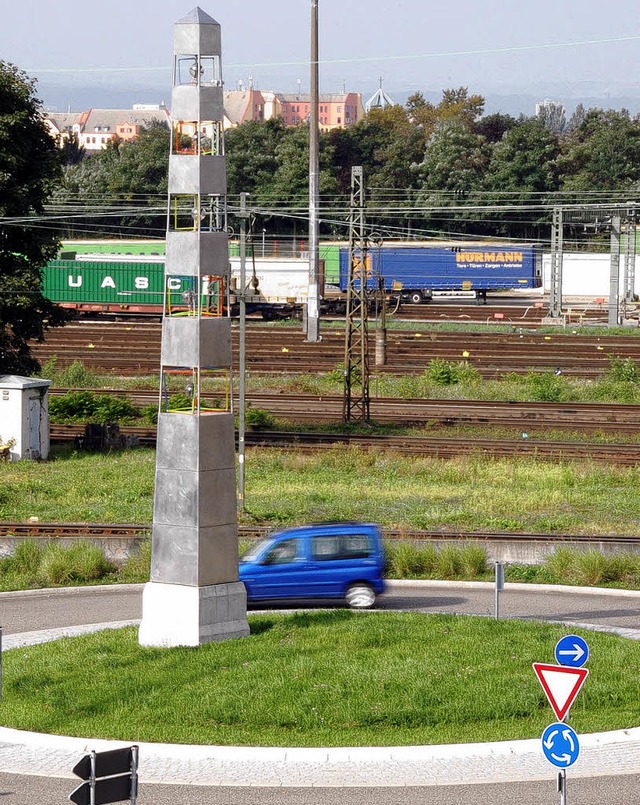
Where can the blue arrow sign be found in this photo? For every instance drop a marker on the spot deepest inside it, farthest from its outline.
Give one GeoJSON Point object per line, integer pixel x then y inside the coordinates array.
{"type": "Point", "coordinates": [560, 745]}
{"type": "Point", "coordinates": [572, 651]}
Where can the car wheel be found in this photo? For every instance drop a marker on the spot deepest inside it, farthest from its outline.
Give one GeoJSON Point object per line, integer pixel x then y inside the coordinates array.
{"type": "Point", "coordinates": [360, 596]}
{"type": "Point", "coordinates": [416, 297]}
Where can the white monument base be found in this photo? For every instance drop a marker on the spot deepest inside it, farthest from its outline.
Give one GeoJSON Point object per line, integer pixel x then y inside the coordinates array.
{"type": "Point", "coordinates": [177, 615]}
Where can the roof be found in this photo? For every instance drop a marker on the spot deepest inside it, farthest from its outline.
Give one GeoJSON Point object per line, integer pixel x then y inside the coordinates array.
{"type": "Point", "coordinates": [236, 103]}
{"type": "Point", "coordinates": [63, 121]}
{"type": "Point", "coordinates": [379, 100]}
{"type": "Point", "coordinates": [108, 119]}
{"type": "Point", "coordinates": [18, 382]}
{"type": "Point", "coordinates": [197, 17]}
{"type": "Point", "coordinates": [305, 97]}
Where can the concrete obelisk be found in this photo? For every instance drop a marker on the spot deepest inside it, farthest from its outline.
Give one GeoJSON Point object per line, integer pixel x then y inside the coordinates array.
{"type": "Point", "coordinates": [194, 595]}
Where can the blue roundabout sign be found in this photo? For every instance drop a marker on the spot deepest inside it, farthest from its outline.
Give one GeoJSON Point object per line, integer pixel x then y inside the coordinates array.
{"type": "Point", "coordinates": [560, 745]}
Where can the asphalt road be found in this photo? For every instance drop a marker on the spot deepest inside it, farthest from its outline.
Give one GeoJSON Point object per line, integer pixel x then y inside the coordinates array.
{"type": "Point", "coordinates": [22, 613]}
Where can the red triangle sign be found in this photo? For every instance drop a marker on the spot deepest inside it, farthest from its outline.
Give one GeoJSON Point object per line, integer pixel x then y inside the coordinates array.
{"type": "Point", "coordinates": [561, 685]}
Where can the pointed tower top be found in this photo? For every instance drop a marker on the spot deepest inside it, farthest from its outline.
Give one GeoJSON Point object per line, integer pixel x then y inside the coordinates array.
{"type": "Point", "coordinates": [197, 17]}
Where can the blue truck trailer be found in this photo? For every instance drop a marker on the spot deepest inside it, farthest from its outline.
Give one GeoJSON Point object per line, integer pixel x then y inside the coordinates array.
{"type": "Point", "coordinates": [416, 273]}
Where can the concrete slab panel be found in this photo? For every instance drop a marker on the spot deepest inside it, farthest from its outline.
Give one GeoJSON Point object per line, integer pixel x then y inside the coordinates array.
{"type": "Point", "coordinates": [193, 341]}
{"type": "Point", "coordinates": [196, 254]}
{"type": "Point", "coordinates": [187, 441]}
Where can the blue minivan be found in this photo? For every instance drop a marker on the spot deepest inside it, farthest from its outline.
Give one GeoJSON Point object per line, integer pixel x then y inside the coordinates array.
{"type": "Point", "coordinates": [319, 561]}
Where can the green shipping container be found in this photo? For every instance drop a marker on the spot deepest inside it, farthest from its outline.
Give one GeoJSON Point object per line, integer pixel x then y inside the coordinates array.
{"type": "Point", "coordinates": [124, 284]}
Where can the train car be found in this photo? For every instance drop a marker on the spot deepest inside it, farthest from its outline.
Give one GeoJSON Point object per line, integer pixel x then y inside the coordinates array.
{"type": "Point", "coordinates": [416, 273]}
{"type": "Point", "coordinates": [105, 285]}
{"type": "Point", "coordinates": [127, 284]}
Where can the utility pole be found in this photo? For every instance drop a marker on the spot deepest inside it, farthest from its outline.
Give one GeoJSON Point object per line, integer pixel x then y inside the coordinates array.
{"type": "Point", "coordinates": [356, 403]}
{"type": "Point", "coordinates": [555, 289]}
{"type": "Point", "coordinates": [242, 348]}
{"type": "Point", "coordinates": [313, 312]}
{"type": "Point", "coordinates": [614, 277]}
{"type": "Point", "coordinates": [630, 255]}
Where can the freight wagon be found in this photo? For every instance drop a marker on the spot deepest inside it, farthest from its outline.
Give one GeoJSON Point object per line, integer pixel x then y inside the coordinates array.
{"type": "Point", "coordinates": [417, 273]}
{"type": "Point", "coordinates": [132, 281]}
{"type": "Point", "coordinates": [128, 284]}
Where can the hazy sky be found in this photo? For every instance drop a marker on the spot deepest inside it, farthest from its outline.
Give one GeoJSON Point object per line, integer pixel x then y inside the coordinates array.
{"type": "Point", "coordinates": [488, 45]}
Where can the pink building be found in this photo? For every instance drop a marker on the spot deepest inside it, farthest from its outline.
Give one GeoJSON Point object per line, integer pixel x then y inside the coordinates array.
{"type": "Point", "coordinates": [334, 111]}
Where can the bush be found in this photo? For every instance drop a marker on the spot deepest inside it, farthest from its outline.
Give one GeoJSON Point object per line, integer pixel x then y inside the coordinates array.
{"type": "Point", "coordinates": [86, 406]}
{"type": "Point", "coordinates": [137, 568]}
{"type": "Point", "coordinates": [406, 561]}
{"type": "Point", "coordinates": [448, 373]}
{"type": "Point", "coordinates": [76, 376]}
{"type": "Point", "coordinates": [258, 419]}
{"type": "Point", "coordinates": [150, 414]}
{"type": "Point", "coordinates": [77, 405]}
{"type": "Point", "coordinates": [473, 561]}
{"type": "Point", "coordinates": [546, 387]}
{"type": "Point", "coordinates": [27, 557]}
{"type": "Point", "coordinates": [114, 409]}
{"type": "Point", "coordinates": [623, 370]}
{"type": "Point", "coordinates": [80, 562]}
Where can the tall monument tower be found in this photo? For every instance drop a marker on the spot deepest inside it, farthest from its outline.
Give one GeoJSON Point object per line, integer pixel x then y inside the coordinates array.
{"type": "Point", "coordinates": [194, 595]}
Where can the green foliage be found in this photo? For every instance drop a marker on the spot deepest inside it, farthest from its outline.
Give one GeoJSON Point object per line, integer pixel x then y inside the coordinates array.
{"type": "Point", "coordinates": [33, 565]}
{"type": "Point", "coordinates": [30, 166]}
{"type": "Point", "coordinates": [258, 419]}
{"type": "Point", "coordinates": [546, 387]}
{"type": "Point", "coordinates": [138, 565]}
{"type": "Point", "coordinates": [86, 406]}
{"type": "Point", "coordinates": [180, 401]}
{"type": "Point", "coordinates": [78, 563]}
{"type": "Point", "coordinates": [150, 414]}
{"type": "Point", "coordinates": [447, 373]}
{"type": "Point", "coordinates": [76, 376]}
{"type": "Point", "coordinates": [402, 678]}
{"type": "Point", "coordinates": [406, 560]}
{"type": "Point", "coordinates": [623, 370]}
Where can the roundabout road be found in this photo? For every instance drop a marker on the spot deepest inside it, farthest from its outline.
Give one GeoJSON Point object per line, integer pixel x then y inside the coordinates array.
{"type": "Point", "coordinates": [618, 611]}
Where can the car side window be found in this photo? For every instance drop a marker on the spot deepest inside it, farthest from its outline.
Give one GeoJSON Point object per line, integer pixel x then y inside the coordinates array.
{"type": "Point", "coordinates": [344, 546]}
{"type": "Point", "coordinates": [356, 546]}
{"type": "Point", "coordinates": [325, 548]}
{"type": "Point", "coordinates": [285, 551]}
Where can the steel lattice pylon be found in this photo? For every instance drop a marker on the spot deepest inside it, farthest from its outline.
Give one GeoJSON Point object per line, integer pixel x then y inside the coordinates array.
{"type": "Point", "coordinates": [356, 403]}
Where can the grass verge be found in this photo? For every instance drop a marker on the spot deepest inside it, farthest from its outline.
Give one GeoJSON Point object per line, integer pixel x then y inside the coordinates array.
{"type": "Point", "coordinates": [472, 493]}
{"type": "Point", "coordinates": [323, 678]}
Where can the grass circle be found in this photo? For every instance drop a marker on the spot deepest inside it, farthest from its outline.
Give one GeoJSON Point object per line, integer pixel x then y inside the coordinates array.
{"type": "Point", "coordinates": [318, 678]}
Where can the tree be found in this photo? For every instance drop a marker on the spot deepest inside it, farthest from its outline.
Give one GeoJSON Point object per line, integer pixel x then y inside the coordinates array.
{"type": "Point", "coordinates": [603, 153]}
{"type": "Point", "coordinates": [452, 169]}
{"type": "Point", "coordinates": [30, 165]}
{"type": "Point", "coordinates": [523, 170]}
{"type": "Point", "coordinates": [132, 175]}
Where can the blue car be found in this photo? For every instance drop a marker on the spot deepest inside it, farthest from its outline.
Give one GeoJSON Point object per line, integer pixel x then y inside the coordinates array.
{"type": "Point", "coordinates": [341, 561]}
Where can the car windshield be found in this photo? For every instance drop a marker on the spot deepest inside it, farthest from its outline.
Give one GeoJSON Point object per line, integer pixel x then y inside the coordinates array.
{"type": "Point", "coordinates": [256, 549]}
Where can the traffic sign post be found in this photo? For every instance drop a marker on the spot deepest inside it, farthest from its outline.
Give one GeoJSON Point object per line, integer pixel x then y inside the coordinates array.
{"type": "Point", "coordinates": [560, 745]}
{"type": "Point", "coordinates": [561, 684]}
{"type": "Point", "coordinates": [110, 777]}
{"type": "Point", "coordinates": [572, 651]}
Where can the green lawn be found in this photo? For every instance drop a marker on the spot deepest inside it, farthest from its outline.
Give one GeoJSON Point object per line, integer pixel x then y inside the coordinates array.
{"type": "Point", "coordinates": [322, 678]}
{"type": "Point", "coordinates": [285, 487]}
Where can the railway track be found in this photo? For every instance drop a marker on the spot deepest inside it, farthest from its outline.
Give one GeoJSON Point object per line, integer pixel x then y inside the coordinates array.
{"type": "Point", "coordinates": [618, 454]}
{"type": "Point", "coordinates": [133, 349]}
{"type": "Point", "coordinates": [310, 408]}
{"type": "Point", "coordinates": [111, 530]}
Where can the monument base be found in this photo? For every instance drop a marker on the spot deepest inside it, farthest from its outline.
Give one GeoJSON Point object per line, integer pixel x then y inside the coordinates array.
{"type": "Point", "coordinates": [177, 615]}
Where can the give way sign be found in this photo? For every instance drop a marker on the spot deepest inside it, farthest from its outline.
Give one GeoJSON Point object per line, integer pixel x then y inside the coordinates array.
{"type": "Point", "coordinates": [561, 685]}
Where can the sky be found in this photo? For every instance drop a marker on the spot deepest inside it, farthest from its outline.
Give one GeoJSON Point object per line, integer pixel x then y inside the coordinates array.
{"type": "Point", "coordinates": [562, 49]}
